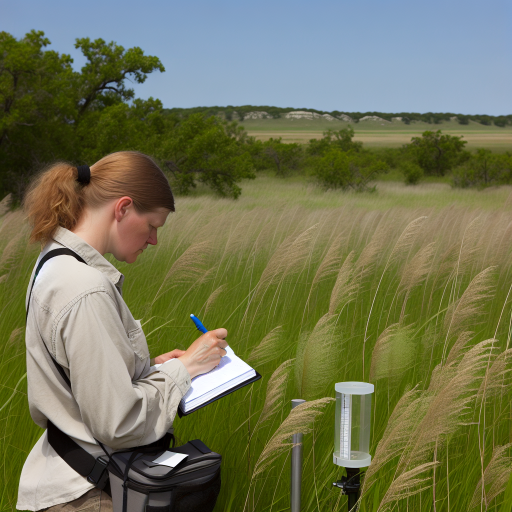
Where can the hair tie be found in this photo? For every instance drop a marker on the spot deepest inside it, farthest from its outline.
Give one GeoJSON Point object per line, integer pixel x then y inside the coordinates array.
{"type": "Point", "coordinates": [84, 174]}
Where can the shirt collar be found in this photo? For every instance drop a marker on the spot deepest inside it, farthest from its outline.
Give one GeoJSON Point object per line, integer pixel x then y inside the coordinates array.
{"type": "Point", "coordinates": [91, 256]}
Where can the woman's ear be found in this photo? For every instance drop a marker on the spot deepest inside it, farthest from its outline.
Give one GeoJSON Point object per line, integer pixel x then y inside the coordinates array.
{"type": "Point", "coordinates": [121, 207]}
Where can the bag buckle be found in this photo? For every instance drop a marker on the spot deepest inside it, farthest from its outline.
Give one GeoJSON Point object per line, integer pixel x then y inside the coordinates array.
{"type": "Point", "coordinates": [99, 474]}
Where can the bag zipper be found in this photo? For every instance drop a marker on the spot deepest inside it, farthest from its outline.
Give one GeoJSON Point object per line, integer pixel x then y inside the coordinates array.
{"type": "Point", "coordinates": [177, 470]}
{"type": "Point", "coordinates": [147, 489]}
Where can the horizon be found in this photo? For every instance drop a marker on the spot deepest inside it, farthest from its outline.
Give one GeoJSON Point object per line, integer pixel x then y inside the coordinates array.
{"type": "Point", "coordinates": [341, 111]}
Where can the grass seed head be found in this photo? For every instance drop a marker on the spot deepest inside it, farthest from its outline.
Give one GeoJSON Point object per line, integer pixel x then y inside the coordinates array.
{"type": "Point", "coordinates": [495, 478]}
{"type": "Point", "coordinates": [276, 389]}
{"type": "Point", "coordinates": [269, 348]}
{"type": "Point", "coordinates": [299, 420]}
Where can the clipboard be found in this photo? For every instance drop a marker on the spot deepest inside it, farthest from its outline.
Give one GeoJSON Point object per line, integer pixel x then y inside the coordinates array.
{"type": "Point", "coordinates": [222, 395]}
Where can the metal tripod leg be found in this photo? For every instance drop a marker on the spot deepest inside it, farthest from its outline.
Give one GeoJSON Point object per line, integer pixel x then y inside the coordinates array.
{"type": "Point", "coordinates": [350, 485]}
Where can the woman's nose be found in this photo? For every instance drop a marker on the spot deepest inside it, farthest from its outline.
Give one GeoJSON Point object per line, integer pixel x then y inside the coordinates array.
{"type": "Point", "coordinates": [152, 238]}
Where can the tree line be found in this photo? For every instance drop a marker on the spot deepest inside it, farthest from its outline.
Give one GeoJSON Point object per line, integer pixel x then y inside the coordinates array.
{"type": "Point", "coordinates": [49, 111]}
{"type": "Point", "coordinates": [231, 112]}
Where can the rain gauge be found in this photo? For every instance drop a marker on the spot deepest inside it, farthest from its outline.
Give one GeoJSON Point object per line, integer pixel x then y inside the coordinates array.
{"type": "Point", "coordinates": [352, 434]}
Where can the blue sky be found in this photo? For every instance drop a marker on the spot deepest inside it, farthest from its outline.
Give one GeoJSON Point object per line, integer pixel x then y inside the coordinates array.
{"type": "Point", "coordinates": [362, 55]}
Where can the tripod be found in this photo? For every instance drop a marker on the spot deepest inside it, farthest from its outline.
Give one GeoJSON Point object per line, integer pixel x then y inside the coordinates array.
{"type": "Point", "coordinates": [350, 485]}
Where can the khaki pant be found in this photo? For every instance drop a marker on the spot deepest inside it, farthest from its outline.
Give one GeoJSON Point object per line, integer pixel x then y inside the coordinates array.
{"type": "Point", "coordinates": [94, 500]}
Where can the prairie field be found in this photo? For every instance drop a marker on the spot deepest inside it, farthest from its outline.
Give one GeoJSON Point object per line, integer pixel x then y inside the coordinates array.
{"type": "Point", "coordinates": [407, 288]}
{"type": "Point", "coordinates": [378, 135]}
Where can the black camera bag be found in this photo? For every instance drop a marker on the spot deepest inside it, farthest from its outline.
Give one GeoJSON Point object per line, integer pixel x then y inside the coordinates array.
{"type": "Point", "coordinates": [137, 484]}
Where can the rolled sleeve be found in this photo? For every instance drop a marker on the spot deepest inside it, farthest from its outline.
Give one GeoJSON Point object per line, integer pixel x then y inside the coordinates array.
{"type": "Point", "coordinates": [118, 411]}
{"type": "Point", "coordinates": [176, 371]}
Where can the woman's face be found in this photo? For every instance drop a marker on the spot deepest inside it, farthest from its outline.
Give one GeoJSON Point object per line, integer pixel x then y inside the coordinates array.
{"type": "Point", "coordinates": [135, 231]}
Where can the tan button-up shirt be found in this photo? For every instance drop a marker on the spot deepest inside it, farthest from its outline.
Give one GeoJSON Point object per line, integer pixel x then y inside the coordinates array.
{"type": "Point", "coordinates": [78, 311]}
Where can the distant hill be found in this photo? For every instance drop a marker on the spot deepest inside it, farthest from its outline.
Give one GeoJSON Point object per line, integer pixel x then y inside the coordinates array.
{"type": "Point", "coordinates": [250, 112]}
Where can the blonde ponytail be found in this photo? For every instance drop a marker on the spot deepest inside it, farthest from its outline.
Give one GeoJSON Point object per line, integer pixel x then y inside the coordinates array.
{"type": "Point", "coordinates": [55, 198]}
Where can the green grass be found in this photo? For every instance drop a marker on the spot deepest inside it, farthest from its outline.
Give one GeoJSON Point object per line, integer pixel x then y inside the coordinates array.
{"type": "Point", "coordinates": [261, 268]}
{"type": "Point", "coordinates": [375, 134]}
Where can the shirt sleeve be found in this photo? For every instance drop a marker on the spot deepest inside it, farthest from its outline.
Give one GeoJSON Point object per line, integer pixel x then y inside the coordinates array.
{"type": "Point", "coordinates": [119, 412]}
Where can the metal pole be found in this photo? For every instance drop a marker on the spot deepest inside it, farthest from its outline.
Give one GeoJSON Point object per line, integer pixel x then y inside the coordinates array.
{"type": "Point", "coordinates": [354, 480]}
{"type": "Point", "coordinates": [296, 479]}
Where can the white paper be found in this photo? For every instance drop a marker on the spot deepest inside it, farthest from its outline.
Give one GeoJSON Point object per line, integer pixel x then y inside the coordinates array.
{"type": "Point", "coordinates": [170, 459]}
{"type": "Point", "coordinates": [230, 372]}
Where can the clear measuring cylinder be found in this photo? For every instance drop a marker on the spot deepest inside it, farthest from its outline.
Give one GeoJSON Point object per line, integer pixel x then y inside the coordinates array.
{"type": "Point", "coordinates": [353, 424]}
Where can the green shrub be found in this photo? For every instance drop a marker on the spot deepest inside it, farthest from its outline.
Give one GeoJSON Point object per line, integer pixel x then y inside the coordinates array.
{"type": "Point", "coordinates": [340, 139]}
{"type": "Point", "coordinates": [206, 150]}
{"type": "Point", "coordinates": [484, 169]}
{"type": "Point", "coordinates": [282, 157]}
{"type": "Point", "coordinates": [436, 153]}
{"type": "Point", "coordinates": [393, 157]}
{"type": "Point", "coordinates": [347, 170]}
{"type": "Point", "coordinates": [412, 173]}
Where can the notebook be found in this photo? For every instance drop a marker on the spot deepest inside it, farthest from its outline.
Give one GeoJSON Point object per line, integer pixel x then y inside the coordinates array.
{"type": "Point", "coordinates": [229, 375]}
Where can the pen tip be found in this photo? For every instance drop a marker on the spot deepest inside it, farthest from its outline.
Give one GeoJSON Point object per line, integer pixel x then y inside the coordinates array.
{"type": "Point", "coordinates": [191, 316]}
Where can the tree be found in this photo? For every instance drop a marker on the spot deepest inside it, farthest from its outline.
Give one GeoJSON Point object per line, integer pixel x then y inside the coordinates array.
{"type": "Point", "coordinates": [44, 101]}
{"type": "Point", "coordinates": [347, 169]}
{"type": "Point", "coordinates": [34, 101]}
{"type": "Point", "coordinates": [484, 169]}
{"type": "Point", "coordinates": [436, 153]}
{"type": "Point", "coordinates": [502, 121]}
{"type": "Point", "coordinates": [209, 151]}
{"type": "Point", "coordinates": [140, 126]}
{"type": "Point", "coordinates": [281, 156]}
{"type": "Point", "coordinates": [102, 80]}
{"type": "Point", "coordinates": [30, 81]}
{"type": "Point", "coordinates": [341, 139]}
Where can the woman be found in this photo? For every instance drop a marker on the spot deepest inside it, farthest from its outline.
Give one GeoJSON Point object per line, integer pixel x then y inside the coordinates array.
{"type": "Point", "coordinates": [104, 389]}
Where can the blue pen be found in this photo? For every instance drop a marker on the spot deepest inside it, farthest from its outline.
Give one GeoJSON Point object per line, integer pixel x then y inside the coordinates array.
{"type": "Point", "coordinates": [198, 324]}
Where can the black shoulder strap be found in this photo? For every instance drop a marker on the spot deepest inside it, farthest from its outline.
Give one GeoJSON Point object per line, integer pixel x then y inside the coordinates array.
{"type": "Point", "coordinates": [85, 464]}
{"type": "Point", "coordinates": [79, 459]}
{"type": "Point", "coordinates": [48, 256]}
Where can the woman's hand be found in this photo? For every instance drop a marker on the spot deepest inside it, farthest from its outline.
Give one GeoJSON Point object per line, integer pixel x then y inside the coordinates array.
{"type": "Point", "coordinates": [173, 354]}
{"type": "Point", "coordinates": [205, 353]}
